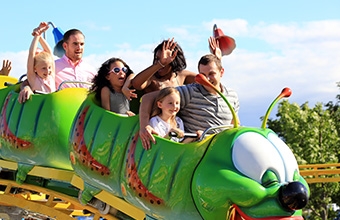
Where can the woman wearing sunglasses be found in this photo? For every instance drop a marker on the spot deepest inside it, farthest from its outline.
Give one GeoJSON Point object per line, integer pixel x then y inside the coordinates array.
{"type": "Point", "coordinates": [108, 83]}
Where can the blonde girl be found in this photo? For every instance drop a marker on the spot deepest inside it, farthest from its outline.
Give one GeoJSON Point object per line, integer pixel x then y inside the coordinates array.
{"type": "Point", "coordinates": [40, 64]}
{"type": "Point", "coordinates": [163, 117]}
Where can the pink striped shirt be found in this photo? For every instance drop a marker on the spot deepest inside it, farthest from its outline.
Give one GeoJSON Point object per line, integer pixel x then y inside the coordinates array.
{"type": "Point", "coordinates": [65, 70]}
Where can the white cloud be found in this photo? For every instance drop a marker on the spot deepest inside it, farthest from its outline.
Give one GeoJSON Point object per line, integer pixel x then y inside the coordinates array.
{"type": "Point", "coordinates": [302, 56]}
{"type": "Point", "coordinates": [298, 34]}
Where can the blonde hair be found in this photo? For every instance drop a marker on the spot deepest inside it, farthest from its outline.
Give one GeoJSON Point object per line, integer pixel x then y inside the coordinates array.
{"type": "Point", "coordinates": [43, 57]}
{"type": "Point", "coordinates": [161, 95]}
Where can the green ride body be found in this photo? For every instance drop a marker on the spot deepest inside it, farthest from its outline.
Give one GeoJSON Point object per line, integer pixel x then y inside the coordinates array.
{"type": "Point", "coordinates": [36, 132]}
{"type": "Point", "coordinates": [200, 180]}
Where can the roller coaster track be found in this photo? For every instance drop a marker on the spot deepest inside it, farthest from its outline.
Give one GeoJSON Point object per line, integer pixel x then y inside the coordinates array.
{"type": "Point", "coordinates": [54, 203]}
{"type": "Point", "coordinates": [57, 204]}
{"type": "Point", "coordinates": [320, 173]}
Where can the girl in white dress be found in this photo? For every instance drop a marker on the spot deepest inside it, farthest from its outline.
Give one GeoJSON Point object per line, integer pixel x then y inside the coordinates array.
{"type": "Point", "coordinates": [163, 118]}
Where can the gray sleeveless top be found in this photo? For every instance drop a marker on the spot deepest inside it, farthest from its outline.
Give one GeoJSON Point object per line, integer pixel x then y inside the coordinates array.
{"type": "Point", "coordinates": [119, 103]}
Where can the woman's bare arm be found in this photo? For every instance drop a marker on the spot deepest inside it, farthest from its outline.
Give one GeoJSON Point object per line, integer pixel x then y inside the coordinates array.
{"type": "Point", "coordinates": [142, 79]}
{"type": "Point", "coordinates": [146, 131]}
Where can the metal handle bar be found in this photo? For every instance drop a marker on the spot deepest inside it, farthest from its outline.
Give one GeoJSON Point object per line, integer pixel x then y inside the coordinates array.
{"type": "Point", "coordinates": [214, 128]}
{"type": "Point", "coordinates": [79, 82]}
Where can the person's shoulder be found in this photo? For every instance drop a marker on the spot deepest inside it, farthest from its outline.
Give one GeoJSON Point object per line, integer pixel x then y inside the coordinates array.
{"type": "Point", "coordinates": [186, 73]}
{"type": "Point", "coordinates": [178, 119]}
{"type": "Point", "coordinates": [229, 91]}
{"type": "Point", "coordinates": [186, 76]}
{"type": "Point", "coordinates": [105, 90]}
{"type": "Point", "coordinates": [192, 87]}
{"type": "Point", "coordinates": [60, 63]}
{"type": "Point", "coordinates": [189, 86]}
{"type": "Point", "coordinates": [154, 120]}
{"type": "Point", "coordinates": [61, 59]}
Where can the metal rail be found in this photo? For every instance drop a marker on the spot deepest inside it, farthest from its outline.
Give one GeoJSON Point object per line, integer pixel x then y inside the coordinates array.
{"type": "Point", "coordinates": [55, 203]}
{"type": "Point", "coordinates": [220, 127]}
{"type": "Point", "coordinates": [320, 173]}
{"type": "Point", "coordinates": [73, 82]}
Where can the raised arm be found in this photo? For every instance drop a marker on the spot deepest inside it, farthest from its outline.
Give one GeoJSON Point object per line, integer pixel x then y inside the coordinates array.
{"type": "Point", "coordinates": [45, 45]}
{"type": "Point", "coordinates": [47, 49]}
{"type": "Point", "coordinates": [214, 47]}
{"type": "Point", "coordinates": [105, 98]}
{"type": "Point", "coordinates": [163, 58]}
{"type": "Point", "coordinates": [189, 76]}
{"type": "Point", "coordinates": [26, 90]}
{"type": "Point", "coordinates": [142, 79]}
{"type": "Point", "coordinates": [43, 26]}
{"type": "Point", "coordinates": [146, 131]}
{"type": "Point", "coordinates": [30, 61]}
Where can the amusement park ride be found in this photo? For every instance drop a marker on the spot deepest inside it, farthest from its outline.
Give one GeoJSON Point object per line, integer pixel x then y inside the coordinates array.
{"type": "Point", "coordinates": [64, 156]}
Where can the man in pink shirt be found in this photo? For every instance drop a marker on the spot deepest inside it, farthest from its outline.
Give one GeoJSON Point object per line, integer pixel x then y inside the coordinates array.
{"type": "Point", "coordinates": [70, 68]}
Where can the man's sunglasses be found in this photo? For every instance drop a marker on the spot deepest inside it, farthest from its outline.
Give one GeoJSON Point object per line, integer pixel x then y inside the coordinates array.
{"type": "Point", "coordinates": [116, 70]}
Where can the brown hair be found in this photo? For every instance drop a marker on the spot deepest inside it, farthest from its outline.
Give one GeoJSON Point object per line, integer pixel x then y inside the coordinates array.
{"type": "Point", "coordinates": [206, 59]}
{"type": "Point", "coordinates": [100, 80]}
{"type": "Point", "coordinates": [71, 32]}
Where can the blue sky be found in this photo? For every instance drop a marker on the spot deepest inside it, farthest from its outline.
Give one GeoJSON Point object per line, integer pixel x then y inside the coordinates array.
{"type": "Point", "coordinates": [292, 44]}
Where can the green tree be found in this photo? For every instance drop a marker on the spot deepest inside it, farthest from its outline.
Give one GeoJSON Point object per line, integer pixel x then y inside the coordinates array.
{"type": "Point", "coordinates": [312, 135]}
{"type": "Point", "coordinates": [334, 109]}
{"type": "Point", "coordinates": [310, 132]}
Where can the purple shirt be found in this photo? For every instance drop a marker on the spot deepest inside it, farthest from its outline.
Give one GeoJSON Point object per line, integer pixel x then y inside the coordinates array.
{"type": "Point", "coordinates": [65, 70]}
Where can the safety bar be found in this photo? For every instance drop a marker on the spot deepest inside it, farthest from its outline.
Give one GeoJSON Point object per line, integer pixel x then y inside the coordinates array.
{"type": "Point", "coordinates": [174, 134]}
{"type": "Point", "coordinates": [21, 77]}
{"type": "Point", "coordinates": [79, 82]}
{"type": "Point", "coordinates": [8, 84]}
{"type": "Point", "coordinates": [214, 128]}
{"type": "Point", "coordinates": [193, 135]}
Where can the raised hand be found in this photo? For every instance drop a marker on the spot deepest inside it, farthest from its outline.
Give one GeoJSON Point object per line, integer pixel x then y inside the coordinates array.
{"type": "Point", "coordinates": [129, 93]}
{"type": "Point", "coordinates": [43, 26]}
{"type": "Point", "coordinates": [215, 47]}
{"type": "Point", "coordinates": [6, 67]}
{"type": "Point", "coordinates": [169, 52]}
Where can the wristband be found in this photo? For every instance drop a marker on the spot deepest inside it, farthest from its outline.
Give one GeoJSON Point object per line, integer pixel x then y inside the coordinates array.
{"type": "Point", "coordinates": [159, 62]}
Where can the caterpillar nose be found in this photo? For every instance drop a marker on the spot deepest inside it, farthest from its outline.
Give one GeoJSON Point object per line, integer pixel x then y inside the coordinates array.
{"type": "Point", "coordinates": [293, 196]}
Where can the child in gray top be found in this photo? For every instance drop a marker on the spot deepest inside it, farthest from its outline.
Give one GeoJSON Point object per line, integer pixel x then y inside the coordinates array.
{"type": "Point", "coordinates": [108, 84]}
